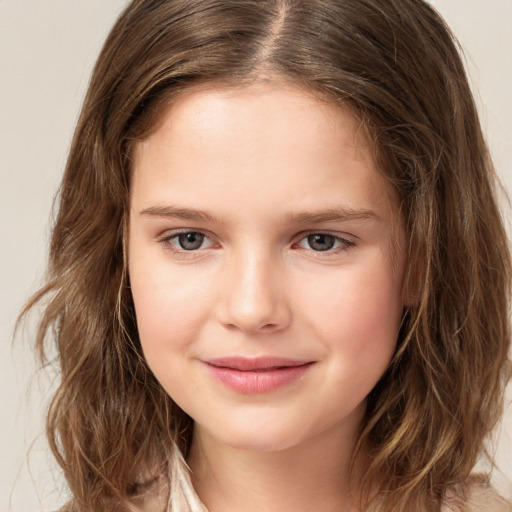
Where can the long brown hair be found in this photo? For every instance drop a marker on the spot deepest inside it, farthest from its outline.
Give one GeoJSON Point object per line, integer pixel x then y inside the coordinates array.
{"type": "Point", "coordinates": [396, 65]}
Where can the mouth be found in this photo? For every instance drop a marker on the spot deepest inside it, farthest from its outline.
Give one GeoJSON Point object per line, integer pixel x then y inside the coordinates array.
{"type": "Point", "coordinates": [257, 375]}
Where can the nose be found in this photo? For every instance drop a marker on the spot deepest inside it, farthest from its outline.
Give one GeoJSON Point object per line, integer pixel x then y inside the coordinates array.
{"type": "Point", "coordinates": [253, 295]}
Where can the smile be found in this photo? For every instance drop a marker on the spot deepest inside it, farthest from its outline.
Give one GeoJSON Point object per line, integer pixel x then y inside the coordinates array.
{"type": "Point", "coordinates": [258, 375]}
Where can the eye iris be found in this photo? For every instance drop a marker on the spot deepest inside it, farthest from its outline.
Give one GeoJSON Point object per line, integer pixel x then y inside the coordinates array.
{"type": "Point", "coordinates": [190, 241]}
{"type": "Point", "coordinates": [321, 242]}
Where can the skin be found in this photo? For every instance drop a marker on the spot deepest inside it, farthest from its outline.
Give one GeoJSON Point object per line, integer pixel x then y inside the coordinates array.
{"type": "Point", "coordinates": [270, 165]}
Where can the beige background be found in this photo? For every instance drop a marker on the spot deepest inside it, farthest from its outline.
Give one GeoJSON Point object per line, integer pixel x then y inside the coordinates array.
{"type": "Point", "coordinates": [47, 48]}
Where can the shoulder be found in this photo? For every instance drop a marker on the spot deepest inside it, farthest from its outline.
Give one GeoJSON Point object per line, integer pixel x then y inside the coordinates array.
{"type": "Point", "coordinates": [475, 496]}
{"type": "Point", "coordinates": [483, 498]}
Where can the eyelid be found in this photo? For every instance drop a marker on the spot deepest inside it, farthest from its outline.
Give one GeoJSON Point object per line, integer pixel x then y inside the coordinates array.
{"type": "Point", "coordinates": [168, 236]}
{"type": "Point", "coordinates": [348, 241]}
{"type": "Point", "coordinates": [171, 233]}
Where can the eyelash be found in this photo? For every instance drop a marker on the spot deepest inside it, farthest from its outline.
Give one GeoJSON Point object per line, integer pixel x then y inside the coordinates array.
{"type": "Point", "coordinates": [345, 243]}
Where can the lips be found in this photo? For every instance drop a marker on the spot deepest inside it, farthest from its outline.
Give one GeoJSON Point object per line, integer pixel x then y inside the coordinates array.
{"type": "Point", "coordinates": [257, 375]}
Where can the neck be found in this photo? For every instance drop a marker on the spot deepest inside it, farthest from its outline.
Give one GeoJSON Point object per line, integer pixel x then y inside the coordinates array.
{"type": "Point", "coordinates": [314, 476]}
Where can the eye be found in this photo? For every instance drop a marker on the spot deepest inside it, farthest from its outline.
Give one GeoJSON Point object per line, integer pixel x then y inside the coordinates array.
{"type": "Point", "coordinates": [189, 241]}
{"type": "Point", "coordinates": [322, 242]}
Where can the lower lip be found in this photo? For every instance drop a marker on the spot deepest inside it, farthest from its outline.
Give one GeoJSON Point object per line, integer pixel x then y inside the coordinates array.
{"type": "Point", "coordinates": [257, 381]}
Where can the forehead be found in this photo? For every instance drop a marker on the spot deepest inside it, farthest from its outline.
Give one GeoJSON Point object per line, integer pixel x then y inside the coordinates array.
{"type": "Point", "coordinates": [245, 138]}
{"type": "Point", "coordinates": [217, 109]}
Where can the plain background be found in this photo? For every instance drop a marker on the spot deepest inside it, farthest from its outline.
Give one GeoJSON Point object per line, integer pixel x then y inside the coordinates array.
{"type": "Point", "coordinates": [47, 49]}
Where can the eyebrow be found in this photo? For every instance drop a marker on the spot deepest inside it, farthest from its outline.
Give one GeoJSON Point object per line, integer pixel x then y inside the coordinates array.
{"type": "Point", "coordinates": [336, 214]}
{"type": "Point", "coordinates": [179, 213]}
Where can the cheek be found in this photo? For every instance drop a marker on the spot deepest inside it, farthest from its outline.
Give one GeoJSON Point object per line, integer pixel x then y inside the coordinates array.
{"type": "Point", "coordinates": [169, 314]}
{"type": "Point", "coordinates": [164, 312]}
{"type": "Point", "coordinates": [358, 312]}
{"type": "Point", "coordinates": [169, 304]}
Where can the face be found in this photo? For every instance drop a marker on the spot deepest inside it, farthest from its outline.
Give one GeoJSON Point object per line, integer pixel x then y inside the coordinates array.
{"type": "Point", "coordinates": [265, 264]}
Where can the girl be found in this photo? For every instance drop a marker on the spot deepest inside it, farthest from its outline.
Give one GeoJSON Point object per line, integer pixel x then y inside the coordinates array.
{"type": "Point", "coordinates": [278, 277]}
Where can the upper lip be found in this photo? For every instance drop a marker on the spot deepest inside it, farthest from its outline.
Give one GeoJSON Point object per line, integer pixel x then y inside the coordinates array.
{"type": "Point", "coordinates": [256, 363]}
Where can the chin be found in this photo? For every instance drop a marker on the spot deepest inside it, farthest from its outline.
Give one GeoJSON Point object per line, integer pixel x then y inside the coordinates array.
{"type": "Point", "coordinates": [255, 438]}
{"type": "Point", "coordinates": [252, 444]}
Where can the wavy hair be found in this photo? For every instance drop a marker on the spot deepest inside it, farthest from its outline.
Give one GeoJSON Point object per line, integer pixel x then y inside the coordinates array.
{"type": "Point", "coordinates": [397, 66]}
